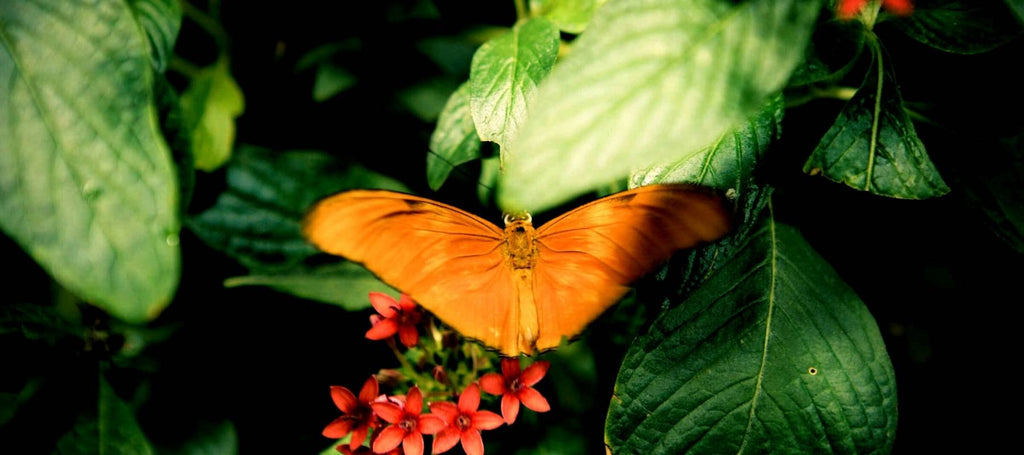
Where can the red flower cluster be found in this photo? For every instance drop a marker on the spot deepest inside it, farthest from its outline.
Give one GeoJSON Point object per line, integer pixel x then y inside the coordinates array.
{"type": "Point", "coordinates": [848, 9]}
{"type": "Point", "coordinates": [450, 423]}
{"type": "Point", "coordinates": [396, 424]}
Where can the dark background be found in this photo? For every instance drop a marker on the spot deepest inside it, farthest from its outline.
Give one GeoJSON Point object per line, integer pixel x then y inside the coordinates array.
{"type": "Point", "coordinates": [940, 281]}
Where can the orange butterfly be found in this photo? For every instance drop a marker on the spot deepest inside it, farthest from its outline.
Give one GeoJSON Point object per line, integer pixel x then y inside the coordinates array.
{"type": "Point", "coordinates": [519, 289]}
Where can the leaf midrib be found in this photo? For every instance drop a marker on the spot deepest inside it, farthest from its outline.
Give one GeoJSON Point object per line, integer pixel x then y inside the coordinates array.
{"type": "Point", "coordinates": [767, 328]}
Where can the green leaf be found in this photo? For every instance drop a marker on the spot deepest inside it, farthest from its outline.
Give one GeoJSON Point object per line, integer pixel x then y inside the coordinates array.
{"type": "Point", "coordinates": [873, 146]}
{"type": "Point", "coordinates": [331, 80]}
{"type": "Point", "coordinates": [257, 219]}
{"type": "Point", "coordinates": [113, 431]}
{"type": "Point", "coordinates": [345, 284]}
{"type": "Point", "coordinates": [729, 161]}
{"type": "Point", "coordinates": [773, 354]}
{"type": "Point", "coordinates": [211, 439]}
{"type": "Point", "coordinates": [454, 140]}
{"type": "Point", "coordinates": [161, 19]}
{"type": "Point", "coordinates": [426, 99]}
{"type": "Point", "coordinates": [570, 16]}
{"type": "Point", "coordinates": [961, 27]}
{"type": "Point", "coordinates": [650, 82]}
{"type": "Point", "coordinates": [504, 74]}
{"type": "Point", "coordinates": [87, 186]}
{"type": "Point", "coordinates": [210, 105]}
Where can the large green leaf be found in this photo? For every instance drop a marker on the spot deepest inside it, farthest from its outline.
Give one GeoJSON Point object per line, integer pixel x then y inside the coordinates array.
{"type": "Point", "coordinates": [161, 19]}
{"type": "Point", "coordinates": [210, 105]}
{"type": "Point", "coordinates": [113, 431]}
{"type": "Point", "coordinates": [962, 27]}
{"type": "Point", "coordinates": [569, 15]}
{"type": "Point", "coordinates": [873, 146]}
{"type": "Point", "coordinates": [650, 82]}
{"type": "Point", "coordinates": [504, 74]}
{"type": "Point", "coordinates": [454, 140]}
{"type": "Point", "coordinates": [773, 354]}
{"type": "Point", "coordinates": [345, 284]}
{"type": "Point", "coordinates": [257, 220]}
{"type": "Point", "coordinates": [87, 186]}
{"type": "Point", "coordinates": [728, 162]}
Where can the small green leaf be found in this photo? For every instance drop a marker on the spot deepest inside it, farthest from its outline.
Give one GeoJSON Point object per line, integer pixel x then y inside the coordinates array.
{"type": "Point", "coordinates": [774, 353]}
{"type": "Point", "coordinates": [961, 27]}
{"type": "Point", "coordinates": [873, 146]}
{"type": "Point", "coordinates": [87, 186]}
{"type": "Point", "coordinates": [728, 162]}
{"type": "Point", "coordinates": [331, 80]}
{"type": "Point", "coordinates": [345, 284]}
{"type": "Point", "coordinates": [427, 99]}
{"type": "Point", "coordinates": [257, 219]}
{"type": "Point", "coordinates": [570, 16]}
{"type": "Point", "coordinates": [161, 19]}
{"type": "Point", "coordinates": [454, 140]}
{"type": "Point", "coordinates": [211, 439]}
{"type": "Point", "coordinates": [113, 431]}
{"type": "Point", "coordinates": [504, 74]}
{"type": "Point", "coordinates": [650, 82]}
{"type": "Point", "coordinates": [210, 105]}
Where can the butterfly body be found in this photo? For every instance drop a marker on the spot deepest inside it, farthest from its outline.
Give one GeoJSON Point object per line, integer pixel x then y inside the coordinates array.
{"type": "Point", "coordinates": [517, 289]}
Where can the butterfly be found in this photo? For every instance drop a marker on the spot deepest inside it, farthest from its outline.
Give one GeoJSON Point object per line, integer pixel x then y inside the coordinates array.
{"type": "Point", "coordinates": [517, 289]}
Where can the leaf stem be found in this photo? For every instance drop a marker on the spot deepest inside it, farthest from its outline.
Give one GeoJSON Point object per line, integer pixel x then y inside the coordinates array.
{"type": "Point", "coordinates": [876, 110]}
{"type": "Point", "coordinates": [209, 23]}
{"type": "Point", "coordinates": [522, 12]}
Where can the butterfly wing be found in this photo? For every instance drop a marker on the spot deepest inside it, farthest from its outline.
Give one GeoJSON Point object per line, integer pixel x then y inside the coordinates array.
{"type": "Point", "coordinates": [587, 257]}
{"type": "Point", "coordinates": [448, 260]}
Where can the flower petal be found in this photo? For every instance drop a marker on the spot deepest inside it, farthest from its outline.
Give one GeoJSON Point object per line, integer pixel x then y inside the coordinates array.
{"type": "Point", "coordinates": [406, 303]}
{"type": "Point", "coordinates": [445, 440]}
{"type": "Point", "coordinates": [369, 391]}
{"type": "Point", "coordinates": [408, 335]}
{"type": "Point", "coordinates": [444, 410]}
{"type": "Point", "coordinates": [384, 304]}
{"type": "Point", "coordinates": [510, 368]}
{"type": "Point", "coordinates": [532, 399]}
{"type": "Point", "coordinates": [414, 401]}
{"type": "Point", "coordinates": [534, 373]}
{"type": "Point", "coordinates": [493, 383]}
{"type": "Point", "coordinates": [339, 427]}
{"type": "Point", "coordinates": [430, 424]}
{"type": "Point", "coordinates": [382, 330]}
{"type": "Point", "coordinates": [358, 436]}
{"type": "Point", "coordinates": [388, 411]}
{"type": "Point", "coordinates": [472, 443]}
{"type": "Point", "coordinates": [388, 439]}
{"type": "Point", "coordinates": [412, 444]}
{"type": "Point", "coordinates": [509, 408]}
{"type": "Point", "coordinates": [344, 399]}
{"type": "Point", "coordinates": [487, 420]}
{"type": "Point", "coordinates": [469, 401]}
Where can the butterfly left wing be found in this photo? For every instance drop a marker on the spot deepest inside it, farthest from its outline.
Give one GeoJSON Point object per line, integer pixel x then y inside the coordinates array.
{"type": "Point", "coordinates": [587, 257]}
{"type": "Point", "coordinates": [448, 260]}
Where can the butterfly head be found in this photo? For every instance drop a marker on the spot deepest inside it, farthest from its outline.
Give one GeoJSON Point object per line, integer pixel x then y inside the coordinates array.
{"type": "Point", "coordinates": [512, 219]}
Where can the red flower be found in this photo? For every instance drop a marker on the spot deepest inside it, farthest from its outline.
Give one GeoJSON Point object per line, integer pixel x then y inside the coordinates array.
{"type": "Point", "coordinates": [357, 416]}
{"type": "Point", "coordinates": [399, 317]}
{"type": "Point", "coordinates": [464, 422]}
{"type": "Point", "coordinates": [848, 9]}
{"type": "Point", "coordinates": [515, 387]}
{"type": "Point", "coordinates": [407, 425]}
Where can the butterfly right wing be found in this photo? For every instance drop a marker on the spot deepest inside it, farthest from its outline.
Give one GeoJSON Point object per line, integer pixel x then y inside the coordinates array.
{"type": "Point", "coordinates": [448, 260]}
